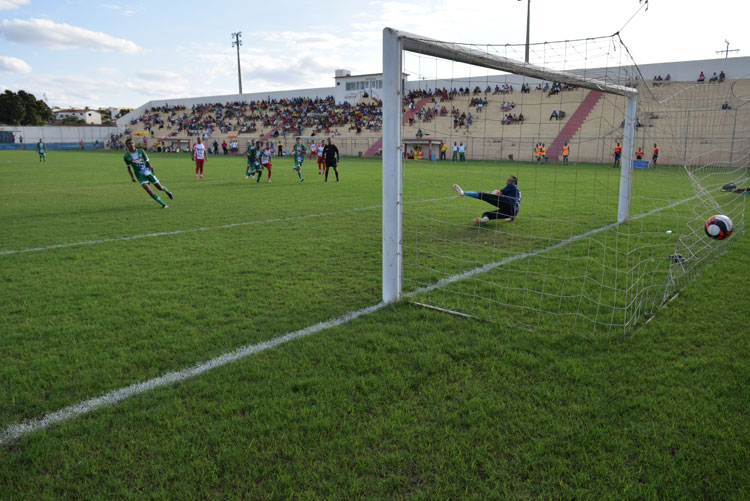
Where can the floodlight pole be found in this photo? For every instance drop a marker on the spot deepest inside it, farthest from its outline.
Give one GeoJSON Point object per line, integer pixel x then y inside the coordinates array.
{"type": "Point", "coordinates": [528, 27]}
{"type": "Point", "coordinates": [237, 42]}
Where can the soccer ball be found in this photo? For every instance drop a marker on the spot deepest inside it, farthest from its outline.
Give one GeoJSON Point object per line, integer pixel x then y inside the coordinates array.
{"type": "Point", "coordinates": [719, 227]}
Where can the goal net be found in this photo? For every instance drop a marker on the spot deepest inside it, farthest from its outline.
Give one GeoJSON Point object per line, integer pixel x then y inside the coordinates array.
{"type": "Point", "coordinates": [600, 240]}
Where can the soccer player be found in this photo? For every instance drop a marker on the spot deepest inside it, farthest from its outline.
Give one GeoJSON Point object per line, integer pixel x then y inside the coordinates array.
{"type": "Point", "coordinates": [137, 161]}
{"type": "Point", "coordinates": [41, 148]}
{"type": "Point", "coordinates": [299, 150]}
{"type": "Point", "coordinates": [253, 160]}
{"type": "Point", "coordinates": [618, 154]}
{"type": "Point", "coordinates": [320, 158]}
{"type": "Point", "coordinates": [331, 154]}
{"type": "Point", "coordinates": [199, 155]}
{"type": "Point", "coordinates": [566, 152]}
{"type": "Point", "coordinates": [507, 201]}
{"type": "Point", "coordinates": [265, 161]}
{"type": "Point", "coordinates": [655, 155]}
{"type": "Point", "coordinates": [313, 150]}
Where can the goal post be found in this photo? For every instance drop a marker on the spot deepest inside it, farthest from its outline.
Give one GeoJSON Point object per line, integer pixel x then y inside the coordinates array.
{"type": "Point", "coordinates": [394, 44]}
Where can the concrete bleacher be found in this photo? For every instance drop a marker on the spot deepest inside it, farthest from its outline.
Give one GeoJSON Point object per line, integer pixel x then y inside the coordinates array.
{"type": "Point", "coordinates": [592, 122]}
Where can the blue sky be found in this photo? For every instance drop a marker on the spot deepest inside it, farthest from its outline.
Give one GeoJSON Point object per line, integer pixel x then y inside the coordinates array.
{"type": "Point", "coordinates": [85, 53]}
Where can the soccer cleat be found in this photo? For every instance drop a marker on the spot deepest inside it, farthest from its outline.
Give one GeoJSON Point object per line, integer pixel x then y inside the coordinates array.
{"type": "Point", "coordinates": [301, 179]}
{"type": "Point", "coordinates": [169, 194]}
{"type": "Point", "coordinates": [480, 220]}
{"type": "Point", "coordinates": [165, 207]}
{"type": "Point", "coordinates": [247, 177]}
{"type": "Point", "coordinates": [269, 180]}
{"type": "Point", "coordinates": [458, 190]}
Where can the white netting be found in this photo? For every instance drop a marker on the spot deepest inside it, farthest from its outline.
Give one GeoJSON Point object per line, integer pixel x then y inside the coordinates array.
{"type": "Point", "coordinates": [564, 263]}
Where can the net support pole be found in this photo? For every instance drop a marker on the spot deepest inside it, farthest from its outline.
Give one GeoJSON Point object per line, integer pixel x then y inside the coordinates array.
{"type": "Point", "coordinates": [626, 162]}
{"type": "Point", "coordinates": [391, 155]}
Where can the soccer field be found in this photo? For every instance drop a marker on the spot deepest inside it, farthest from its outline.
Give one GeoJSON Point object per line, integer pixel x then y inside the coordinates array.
{"type": "Point", "coordinates": [103, 289]}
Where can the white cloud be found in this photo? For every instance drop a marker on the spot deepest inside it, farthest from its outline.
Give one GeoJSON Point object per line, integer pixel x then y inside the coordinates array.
{"type": "Point", "coordinates": [13, 4]}
{"type": "Point", "coordinates": [51, 35]}
{"type": "Point", "coordinates": [125, 12]}
{"type": "Point", "coordinates": [13, 65]}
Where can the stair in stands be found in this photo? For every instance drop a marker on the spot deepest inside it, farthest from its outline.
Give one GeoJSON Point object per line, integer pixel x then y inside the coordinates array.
{"type": "Point", "coordinates": [377, 145]}
{"type": "Point", "coordinates": [573, 125]}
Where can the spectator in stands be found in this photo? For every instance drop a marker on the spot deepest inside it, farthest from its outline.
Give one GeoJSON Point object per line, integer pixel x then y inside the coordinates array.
{"type": "Point", "coordinates": [714, 78]}
{"type": "Point", "coordinates": [420, 133]}
{"type": "Point", "coordinates": [726, 106]}
{"type": "Point", "coordinates": [668, 78]}
{"type": "Point", "coordinates": [722, 76]}
{"type": "Point", "coordinates": [554, 115]}
{"type": "Point", "coordinates": [701, 78]}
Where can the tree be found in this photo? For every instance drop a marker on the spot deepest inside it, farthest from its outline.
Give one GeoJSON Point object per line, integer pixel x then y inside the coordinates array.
{"type": "Point", "coordinates": [23, 109]}
{"type": "Point", "coordinates": [71, 120]}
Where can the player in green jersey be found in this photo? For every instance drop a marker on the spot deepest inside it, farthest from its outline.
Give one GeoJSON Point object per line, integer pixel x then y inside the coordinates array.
{"type": "Point", "coordinates": [253, 159]}
{"type": "Point", "coordinates": [299, 150]}
{"type": "Point", "coordinates": [41, 148]}
{"type": "Point", "coordinates": [137, 161]}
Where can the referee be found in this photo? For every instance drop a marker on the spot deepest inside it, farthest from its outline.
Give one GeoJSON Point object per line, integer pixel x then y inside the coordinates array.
{"type": "Point", "coordinates": [331, 157]}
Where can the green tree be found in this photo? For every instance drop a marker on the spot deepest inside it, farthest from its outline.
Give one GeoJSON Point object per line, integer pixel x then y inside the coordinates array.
{"type": "Point", "coordinates": [23, 108]}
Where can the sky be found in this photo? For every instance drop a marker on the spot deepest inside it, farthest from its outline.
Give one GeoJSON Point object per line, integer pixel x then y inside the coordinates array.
{"type": "Point", "coordinates": [77, 53]}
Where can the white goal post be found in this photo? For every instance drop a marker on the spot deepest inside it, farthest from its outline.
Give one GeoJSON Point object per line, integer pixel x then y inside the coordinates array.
{"type": "Point", "coordinates": [394, 43]}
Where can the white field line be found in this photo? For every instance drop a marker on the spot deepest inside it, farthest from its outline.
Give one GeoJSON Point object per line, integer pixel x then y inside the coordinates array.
{"type": "Point", "coordinates": [16, 431]}
{"type": "Point", "coordinates": [180, 232]}
{"type": "Point", "coordinates": [193, 230]}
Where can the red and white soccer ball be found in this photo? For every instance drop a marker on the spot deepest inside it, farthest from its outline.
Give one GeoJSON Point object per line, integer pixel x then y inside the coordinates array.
{"type": "Point", "coordinates": [719, 227]}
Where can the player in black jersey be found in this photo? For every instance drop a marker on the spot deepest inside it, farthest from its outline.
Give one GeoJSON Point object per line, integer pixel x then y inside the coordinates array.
{"type": "Point", "coordinates": [331, 157]}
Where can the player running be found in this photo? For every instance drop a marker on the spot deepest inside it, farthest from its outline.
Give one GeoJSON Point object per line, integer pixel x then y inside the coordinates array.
{"type": "Point", "coordinates": [199, 155]}
{"type": "Point", "coordinates": [299, 150]}
{"type": "Point", "coordinates": [320, 158]}
{"type": "Point", "coordinates": [253, 159]}
{"type": "Point", "coordinates": [137, 161]}
{"type": "Point", "coordinates": [41, 148]}
{"type": "Point", "coordinates": [265, 161]}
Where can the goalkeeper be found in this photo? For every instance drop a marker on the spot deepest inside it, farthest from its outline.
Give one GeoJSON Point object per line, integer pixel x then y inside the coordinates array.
{"type": "Point", "coordinates": [507, 201]}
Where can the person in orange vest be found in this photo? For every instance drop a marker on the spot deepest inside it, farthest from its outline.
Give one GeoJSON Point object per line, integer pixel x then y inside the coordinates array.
{"type": "Point", "coordinates": [618, 154]}
{"type": "Point", "coordinates": [538, 152]}
{"type": "Point", "coordinates": [566, 152]}
{"type": "Point", "coordinates": [639, 153]}
{"type": "Point", "coordinates": [655, 156]}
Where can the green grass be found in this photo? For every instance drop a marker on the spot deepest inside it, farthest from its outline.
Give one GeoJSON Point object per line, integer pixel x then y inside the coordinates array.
{"type": "Point", "coordinates": [402, 403]}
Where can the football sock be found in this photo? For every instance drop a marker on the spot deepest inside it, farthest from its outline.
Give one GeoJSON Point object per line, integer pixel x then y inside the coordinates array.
{"type": "Point", "coordinates": [156, 197]}
{"type": "Point", "coordinates": [472, 194]}
{"type": "Point", "coordinates": [299, 174]}
{"type": "Point", "coordinates": [337, 174]}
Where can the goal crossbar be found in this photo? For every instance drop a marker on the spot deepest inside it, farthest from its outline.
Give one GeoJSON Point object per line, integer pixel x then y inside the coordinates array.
{"type": "Point", "coordinates": [457, 53]}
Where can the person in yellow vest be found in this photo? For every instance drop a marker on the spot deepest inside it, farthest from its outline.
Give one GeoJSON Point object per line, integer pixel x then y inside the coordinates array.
{"type": "Point", "coordinates": [443, 149]}
{"type": "Point", "coordinates": [566, 152]}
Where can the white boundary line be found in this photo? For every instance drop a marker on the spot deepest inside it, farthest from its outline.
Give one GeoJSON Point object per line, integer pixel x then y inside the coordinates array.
{"type": "Point", "coordinates": [193, 230]}
{"type": "Point", "coordinates": [179, 232]}
{"type": "Point", "coordinates": [16, 431]}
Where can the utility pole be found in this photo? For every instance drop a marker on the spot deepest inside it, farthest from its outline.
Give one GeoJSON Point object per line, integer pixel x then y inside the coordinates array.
{"type": "Point", "coordinates": [528, 27]}
{"type": "Point", "coordinates": [726, 51]}
{"type": "Point", "coordinates": [237, 42]}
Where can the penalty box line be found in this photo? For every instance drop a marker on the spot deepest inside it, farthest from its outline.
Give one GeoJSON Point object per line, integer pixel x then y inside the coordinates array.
{"type": "Point", "coordinates": [193, 230]}
{"type": "Point", "coordinates": [16, 431]}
